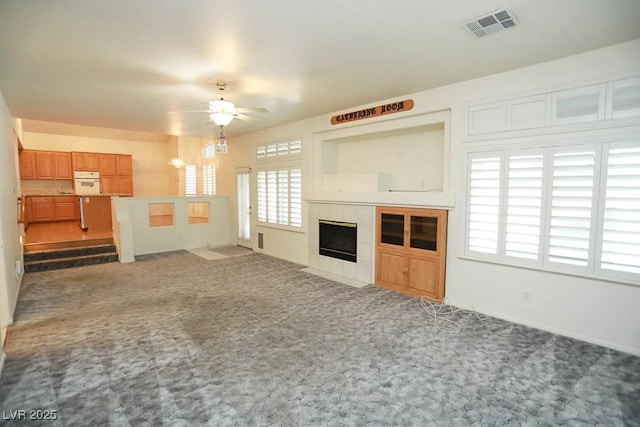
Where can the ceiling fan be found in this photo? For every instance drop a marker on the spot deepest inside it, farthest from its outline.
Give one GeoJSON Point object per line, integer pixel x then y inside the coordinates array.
{"type": "Point", "coordinates": [222, 112]}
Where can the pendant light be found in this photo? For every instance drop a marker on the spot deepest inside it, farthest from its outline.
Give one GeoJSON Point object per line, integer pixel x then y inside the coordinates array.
{"type": "Point", "coordinates": [176, 162]}
{"type": "Point", "coordinates": [222, 142]}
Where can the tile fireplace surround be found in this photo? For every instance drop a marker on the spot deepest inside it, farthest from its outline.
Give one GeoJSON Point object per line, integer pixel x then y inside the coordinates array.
{"type": "Point", "coordinates": [360, 271]}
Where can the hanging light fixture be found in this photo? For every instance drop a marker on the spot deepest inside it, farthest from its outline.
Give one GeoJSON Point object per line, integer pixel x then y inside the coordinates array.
{"type": "Point", "coordinates": [221, 147]}
{"type": "Point", "coordinates": [176, 162]}
{"type": "Point", "coordinates": [222, 112]}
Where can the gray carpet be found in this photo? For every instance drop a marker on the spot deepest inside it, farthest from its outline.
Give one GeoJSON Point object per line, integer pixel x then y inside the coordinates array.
{"type": "Point", "coordinates": [175, 339]}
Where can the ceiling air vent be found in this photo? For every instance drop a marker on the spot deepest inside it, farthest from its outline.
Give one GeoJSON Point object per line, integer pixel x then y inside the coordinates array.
{"type": "Point", "coordinates": [491, 23]}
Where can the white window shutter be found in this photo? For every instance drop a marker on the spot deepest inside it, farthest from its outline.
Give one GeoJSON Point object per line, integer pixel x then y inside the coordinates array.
{"type": "Point", "coordinates": [524, 206]}
{"type": "Point", "coordinates": [572, 191]}
{"type": "Point", "coordinates": [483, 204]}
{"type": "Point", "coordinates": [261, 185]}
{"type": "Point", "coordinates": [209, 179]}
{"type": "Point", "coordinates": [621, 227]}
{"type": "Point", "coordinates": [190, 187]}
{"type": "Point", "coordinates": [295, 200]}
{"type": "Point", "coordinates": [272, 197]}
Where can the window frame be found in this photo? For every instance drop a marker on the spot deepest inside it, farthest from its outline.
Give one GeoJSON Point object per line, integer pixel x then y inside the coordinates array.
{"type": "Point", "coordinates": [550, 146]}
{"type": "Point", "coordinates": [280, 160]}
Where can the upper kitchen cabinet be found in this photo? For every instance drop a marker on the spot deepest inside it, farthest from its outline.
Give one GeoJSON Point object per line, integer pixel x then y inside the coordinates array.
{"type": "Point", "coordinates": [85, 161]}
{"type": "Point", "coordinates": [124, 164]}
{"type": "Point", "coordinates": [35, 164]}
{"type": "Point", "coordinates": [62, 163]}
{"type": "Point", "coordinates": [107, 164]}
{"type": "Point", "coordinates": [44, 165]}
{"type": "Point", "coordinates": [28, 164]}
{"type": "Point", "coordinates": [116, 174]}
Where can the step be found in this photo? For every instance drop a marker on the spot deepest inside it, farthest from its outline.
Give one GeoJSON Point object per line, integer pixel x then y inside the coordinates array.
{"type": "Point", "coordinates": [51, 254]}
{"type": "Point", "coordinates": [70, 262]}
{"type": "Point", "coordinates": [44, 246]}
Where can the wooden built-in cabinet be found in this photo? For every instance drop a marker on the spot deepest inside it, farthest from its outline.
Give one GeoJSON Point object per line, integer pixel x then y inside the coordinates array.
{"type": "Point", "coordinates": [37, 164]}
{"type": "Point", "coordinates": [62, 163]}
{"type": "Point", "coordinates": [116, 174]}
{"type": "Point", "coordinates": [51, 208]}
{"type": "Point", "coordinates": [85, 161]}
{"type": "Point", "coordinates": [28, 164]}
{"type": "Point", "coordinates": [411, 250]}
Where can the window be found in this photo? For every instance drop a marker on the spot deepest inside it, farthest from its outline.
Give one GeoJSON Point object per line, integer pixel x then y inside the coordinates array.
{"type": "Point", "coordinates": [279, 149]}
{"type": "Point", "coordinates": [621, 220]}
{"type": "Point", "coordinates": [209, 170]}
{"type": "Point", "coordinates": [190, 180]}
{"type": "Point", "coordinates": [209, 179]}
{"type": "Point", "coordinates": [570, 209]}
{"type": "Point", "coordinates": [279, 183]}
{"type": "Point", "coordinates": [280, 196]}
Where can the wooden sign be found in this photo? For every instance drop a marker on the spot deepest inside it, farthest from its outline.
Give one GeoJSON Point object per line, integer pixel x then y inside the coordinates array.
{"type": "Point", "coordinates": [367, 113]}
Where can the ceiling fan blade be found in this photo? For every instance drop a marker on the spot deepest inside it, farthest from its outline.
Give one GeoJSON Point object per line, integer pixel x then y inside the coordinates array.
{"type": "Point", "coordinates": [245, 118]}
{"type": "Point", "coordinates": [251, 110]}
{"type": "Point", "coordinates": [189, 111]}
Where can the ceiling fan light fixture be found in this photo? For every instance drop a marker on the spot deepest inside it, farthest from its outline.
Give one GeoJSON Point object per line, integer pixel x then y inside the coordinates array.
{"type": "Point", "coordinates": [222, 112]}
{"type": "Point", "coordinates": [221, 119]}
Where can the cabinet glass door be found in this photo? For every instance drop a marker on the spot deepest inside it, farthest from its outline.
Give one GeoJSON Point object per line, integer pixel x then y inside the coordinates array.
{"type": "Point", "coordinates": [392, 229]}
{"type": "Point", "coordinates": [424, 232]}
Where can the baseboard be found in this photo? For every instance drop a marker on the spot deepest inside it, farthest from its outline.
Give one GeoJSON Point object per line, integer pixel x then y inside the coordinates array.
{"type": "Point", "coordinates": [602, 343]}
{"type": "Point", "coordinates": [2, 359]}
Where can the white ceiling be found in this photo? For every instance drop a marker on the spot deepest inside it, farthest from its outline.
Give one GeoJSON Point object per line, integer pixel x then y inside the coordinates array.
{"type": "Point", "coordinates": [125, 64]}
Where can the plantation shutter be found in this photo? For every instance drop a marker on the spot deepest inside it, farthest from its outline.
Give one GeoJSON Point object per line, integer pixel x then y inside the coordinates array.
{"type": "Point", "coordinates": [261, 177]}
{"type": "Point", "coordinates": [190, 188]}
{"type": "Point", "coordinates": [283, 197]}
{"type": "Point", "coordinates": [209, 179]}
{"type": "Point", "coordinates": [621, 228]}
{"type": "Point", "coordinates": [572, 192]}
{"type": "Point", "coordinates": [483, 204]}
{"type": "Point", "coordinates": [272, 197]}
{"type": "Point", "coordinates": [524, 206]}
{"type": "Point", "coordinates": [295, 199]}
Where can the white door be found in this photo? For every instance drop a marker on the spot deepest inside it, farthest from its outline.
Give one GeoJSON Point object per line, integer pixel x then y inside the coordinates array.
{"type": "Point", "coordinates": [244, 207]}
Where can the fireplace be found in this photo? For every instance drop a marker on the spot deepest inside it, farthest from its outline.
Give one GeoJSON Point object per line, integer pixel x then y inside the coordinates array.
{"type": "Point", "coordinates": [338, 239]}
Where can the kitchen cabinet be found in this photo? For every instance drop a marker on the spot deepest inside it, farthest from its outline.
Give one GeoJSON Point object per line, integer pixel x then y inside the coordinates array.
{"type": "Point", "coordinates": [65, 208]}
{"type": "Point", "coordinates": [42, 209]}
{"type": "Point", "coordinates": [124, 164]}
{"type": "Point", "coordinates": [51, 208]}
{"type": "Point", "coordinates": [107, 164]}
{"type": "Point", "coordinates": [28, 164]}
{"type": "Point", "coordinates": [37, 164]}
{"type": "Point", "coordinates": [85, 161]}
{"type": "Point", "coordinates": [411, 251]}
{"type": "Point", "coordinates": [116, 174]}
{"type": "Point", "coordinates": [44, 165]}
{"type": "Point", "coordinates": [62, 163]}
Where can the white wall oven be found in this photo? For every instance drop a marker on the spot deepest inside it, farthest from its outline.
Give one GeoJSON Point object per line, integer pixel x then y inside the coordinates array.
{"type": "Point", "coordinates": [86, 183]}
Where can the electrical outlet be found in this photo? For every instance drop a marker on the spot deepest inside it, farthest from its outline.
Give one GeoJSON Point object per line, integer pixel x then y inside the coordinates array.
{"type": "Point", "coordinates": [526, 295]}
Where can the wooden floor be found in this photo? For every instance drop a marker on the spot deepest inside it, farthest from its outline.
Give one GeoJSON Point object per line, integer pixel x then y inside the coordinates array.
{"type": "Point", "coordinates": [62, 234]}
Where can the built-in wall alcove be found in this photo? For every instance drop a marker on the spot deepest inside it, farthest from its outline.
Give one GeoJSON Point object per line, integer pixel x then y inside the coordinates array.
{"type": "Point", "coordinates": [396, 161]}
{"type": "Point", "coordinates": [408, 159]}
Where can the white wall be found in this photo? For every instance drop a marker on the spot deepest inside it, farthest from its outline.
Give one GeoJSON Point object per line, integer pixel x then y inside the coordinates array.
{"type": "Point", "coordinates": [180, 235]}
{"type": "Point", "coordinates": [597, 311]}
{"type": "Point", "coordinates": [10, 230]}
